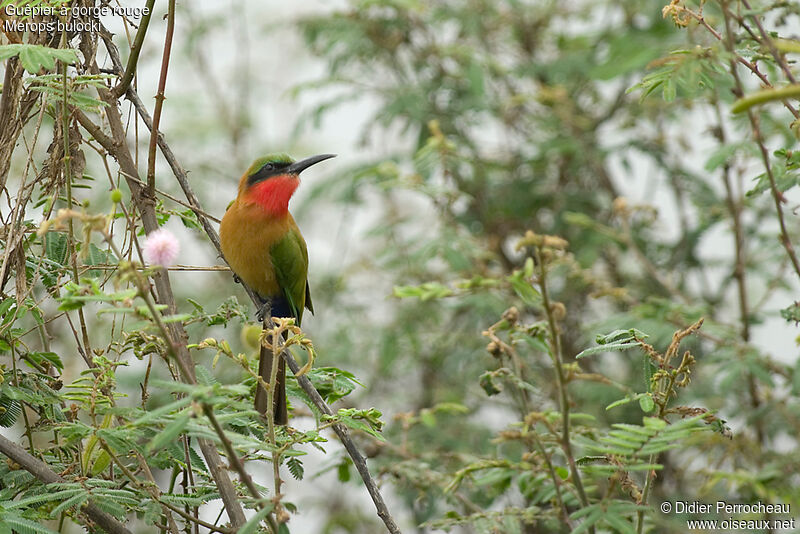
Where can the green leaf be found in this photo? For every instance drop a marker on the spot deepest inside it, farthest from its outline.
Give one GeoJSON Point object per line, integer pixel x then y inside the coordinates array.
{"type": "Point", "coordinates": [252, 525]}
{"type": "Point", "coordinates": [9, 50]}
{"type": "Point", "coordinates": [792, 313]}
{"type": "Point", "coordinates": [51, 357]}
{"type": "Point", "coordinates": [25, 526]}
{"type": "Point", "coordinates": [85, 102]}
{"type": "Point", "coordinates": [154, 415]}
{"type": "Point", "coordinates": [100, 463]}
{"type": "Point", "coordinates": [47, 496]}
{"type": "Point", "coordinates": [789, 46]}
{"type": "Point", "coordinates": [97, 256]}
{"type": "Point", "coordinates": [627, 399]}
{"type": "Point", "coordinates": [10, 410]}
{"type": "Point", "coordinates": [619, 523]}
{"type": "Point", "coordinates": [75, 500]}
{"type": "Point", "coordinates": [65, 55]}
{"type": "Point", "coordinates": [620, 336]}
{"type": "Point", "coordinates": [654, 422]}
{"type": "Point", "coordinates": [489, 383]}
{"type": "Point", "coordinates": [55, 246]}
{"type": "Point", "coordinates": [590, 514]}
{"type": "Point", "coordinates": [331, 382]}
{"type": "Point", "coordinates": [34, 58]}
{"type": "Point", "coordinates": [608, 348]}
{"type": "Point", "coordinates": [5, 306]}
{"type": "Point", "coordinates": [427, 418]}
{"type": "Point", "coordinates": [668, 91]}
{"type": "Point", "coordinates": [119, 439]}
{"type": "Point", "coordinates": [525, 291]}
{"type": "Point", "coordinates": [365, 420]}
{"type": "Point", "coordinates": [295, 467]}
{"type": "Point", "coordinates": [343, 470]}
{"type": "Point", "coordinates": [190, 499]}
{"type": "Point", "coordinates": [424, 292]}
{"type": "Point", "coordinates": [646, 403]}
{"type": "Point", "coordinates": [171, 431]}
{"type": "Point", "coordinates": [109, 505]}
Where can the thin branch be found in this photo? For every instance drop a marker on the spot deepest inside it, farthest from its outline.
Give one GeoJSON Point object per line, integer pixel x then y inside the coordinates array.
{"type": "Point", "coordinates": [133, 59]}
{"type": "Point", "coordinates": [176, 200]}
{"type": "Point", "coordinates": [155, 491]}
{"type": "Point", "coordinates": [555, 344]}
{"type": "Point", "coordinates": [162, 84]}
{"type": "Point", "coordinates": [115, 266]}
{"type": "Point", "coordinates": [272, 410]}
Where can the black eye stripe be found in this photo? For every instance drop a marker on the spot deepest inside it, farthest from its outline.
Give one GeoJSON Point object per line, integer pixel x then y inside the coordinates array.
{"type": "Point", "coordinates": [267, 170]}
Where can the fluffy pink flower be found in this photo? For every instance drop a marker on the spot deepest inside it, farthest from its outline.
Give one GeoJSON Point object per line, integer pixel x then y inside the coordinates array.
{"type": "Point", "coordinates": [161, 247]}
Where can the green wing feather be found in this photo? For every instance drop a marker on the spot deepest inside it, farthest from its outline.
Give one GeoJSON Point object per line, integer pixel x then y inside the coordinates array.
{"type": "Point", "coordinates": [290, 259]}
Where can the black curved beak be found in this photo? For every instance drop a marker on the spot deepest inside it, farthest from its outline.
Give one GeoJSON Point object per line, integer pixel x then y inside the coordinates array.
{"type": "Point", "coordinates": [299, 166]}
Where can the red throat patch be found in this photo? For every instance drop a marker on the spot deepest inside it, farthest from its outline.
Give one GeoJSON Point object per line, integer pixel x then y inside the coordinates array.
{"type": "Point", "coordinates": [273, 194]}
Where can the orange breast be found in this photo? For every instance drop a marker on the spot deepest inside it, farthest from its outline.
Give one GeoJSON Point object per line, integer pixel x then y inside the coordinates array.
{"type": "Point", "coordinates": [246, 234]}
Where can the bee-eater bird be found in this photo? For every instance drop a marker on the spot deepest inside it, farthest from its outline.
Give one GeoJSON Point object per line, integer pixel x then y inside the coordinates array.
{"type": "Point", "coordinates": [265, 249]}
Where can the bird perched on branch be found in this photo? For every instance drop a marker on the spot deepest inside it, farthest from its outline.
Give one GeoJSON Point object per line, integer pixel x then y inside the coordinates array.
{"type": "Point", "coordinates": [264, 247]}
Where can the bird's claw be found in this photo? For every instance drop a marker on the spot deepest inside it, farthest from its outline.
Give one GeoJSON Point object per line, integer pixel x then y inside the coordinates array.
{"type": "Point", "coordinates": [262, 311]}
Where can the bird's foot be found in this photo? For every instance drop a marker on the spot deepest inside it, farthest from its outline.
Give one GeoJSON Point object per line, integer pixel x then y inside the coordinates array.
{"type": "Point", "coordinates": [263, 310]}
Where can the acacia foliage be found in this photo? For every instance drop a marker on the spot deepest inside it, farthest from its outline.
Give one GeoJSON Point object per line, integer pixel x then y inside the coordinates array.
{"type": "Point", "coordinates": [651, 149]}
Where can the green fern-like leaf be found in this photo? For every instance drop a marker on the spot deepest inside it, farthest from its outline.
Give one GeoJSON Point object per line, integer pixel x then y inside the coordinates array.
{"type": "Point", "coordinates": [20, 525]}
{"type": "Point", "coordinates": [45, 496]}
{"type": "Point", "coordinates": [295, 468]}
{"type": "Point", "coordinates": [75, 500]}
{"type": "Point", "coordinates": [190, 499]}
{"type": "Point", "coordinates": [204, 376]}
{"type": "Point", "coordinates": [10, 410]}
{"type": "Point", "coordinates": [634, 444]}
{"type": "Point", "coordinates": [109, 505]}
{"type": "Point", "coordinates": [614, 513]}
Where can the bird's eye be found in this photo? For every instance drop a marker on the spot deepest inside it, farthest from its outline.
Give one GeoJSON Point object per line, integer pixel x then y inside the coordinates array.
{"type": "Point", "coordinates": [268, 167]}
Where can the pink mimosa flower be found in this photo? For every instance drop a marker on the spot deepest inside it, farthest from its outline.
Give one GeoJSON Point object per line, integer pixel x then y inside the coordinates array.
{"type": "Point", "coordinates": [161, 247]}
